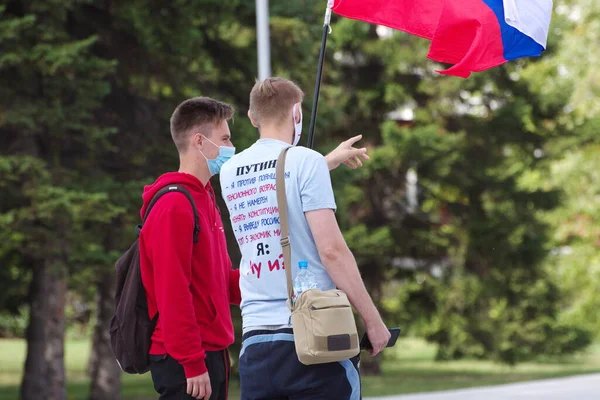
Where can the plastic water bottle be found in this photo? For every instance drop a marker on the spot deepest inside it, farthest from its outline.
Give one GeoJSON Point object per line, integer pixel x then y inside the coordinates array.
{"type": "Point", "coordinates": [304, 281]}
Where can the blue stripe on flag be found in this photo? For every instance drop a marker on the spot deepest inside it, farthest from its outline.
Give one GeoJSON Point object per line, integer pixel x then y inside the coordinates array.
{"type": "Point", "coordinates": [516, 44]}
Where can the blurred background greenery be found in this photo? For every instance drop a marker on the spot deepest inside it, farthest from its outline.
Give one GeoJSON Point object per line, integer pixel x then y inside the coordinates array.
{"type": "Point", "coordinates": [475, 224]}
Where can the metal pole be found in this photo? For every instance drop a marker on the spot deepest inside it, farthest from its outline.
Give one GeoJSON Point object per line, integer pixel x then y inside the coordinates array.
{"type": "Point", "coordinates": [313, 115]}
{"type": "Point", "coordinates": [262, 39]}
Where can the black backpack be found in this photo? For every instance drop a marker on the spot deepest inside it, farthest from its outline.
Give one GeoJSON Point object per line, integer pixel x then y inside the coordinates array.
{"type": "Point", "coordinates": [130, 327]}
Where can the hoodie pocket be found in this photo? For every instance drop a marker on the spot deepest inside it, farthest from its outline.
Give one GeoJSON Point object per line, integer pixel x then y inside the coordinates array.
{"type": "Point", "coordinates": [209, 311]}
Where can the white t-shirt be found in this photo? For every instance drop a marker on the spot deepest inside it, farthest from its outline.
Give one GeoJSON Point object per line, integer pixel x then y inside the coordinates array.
{"type": "Point", "coordinates": [248, 188]}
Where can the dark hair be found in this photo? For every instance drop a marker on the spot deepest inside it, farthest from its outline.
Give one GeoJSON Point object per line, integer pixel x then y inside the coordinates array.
{"type": "Point", "coordinates": [197, 114]}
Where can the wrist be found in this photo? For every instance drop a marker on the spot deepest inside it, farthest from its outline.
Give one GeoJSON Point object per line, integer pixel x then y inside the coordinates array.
{"type": "Point", "coordinates": [194, 368]}
{"type": "Point", "coordinates": [330, 162]}
{"type": "Point", "coordinates": [371, 317]}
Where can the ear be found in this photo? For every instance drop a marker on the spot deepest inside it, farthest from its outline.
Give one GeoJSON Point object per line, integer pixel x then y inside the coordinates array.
{"type": "Point", "coordinates": [254, 124]}
{"type": "Point", "coordinates": [198, 140]}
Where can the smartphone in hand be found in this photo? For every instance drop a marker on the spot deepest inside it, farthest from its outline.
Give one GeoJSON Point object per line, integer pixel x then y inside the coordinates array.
{"type": "Point", "coordinates": [365, 343]}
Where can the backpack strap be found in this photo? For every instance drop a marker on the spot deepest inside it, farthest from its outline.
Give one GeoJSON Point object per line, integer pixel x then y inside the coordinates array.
{"type": "Point", "coordinates": [169, 189]}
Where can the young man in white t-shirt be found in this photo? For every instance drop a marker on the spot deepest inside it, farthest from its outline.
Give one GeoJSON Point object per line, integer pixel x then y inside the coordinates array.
{"type": "Point", "coordinates": [269, 367]}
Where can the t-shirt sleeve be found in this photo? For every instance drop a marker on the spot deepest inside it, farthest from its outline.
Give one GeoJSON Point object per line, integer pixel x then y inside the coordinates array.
{"type": "Point", "coordinates": [314, 182]}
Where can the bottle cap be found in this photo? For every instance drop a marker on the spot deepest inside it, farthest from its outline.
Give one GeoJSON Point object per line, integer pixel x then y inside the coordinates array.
{"type": "Point", "coordinates": [303, 264]}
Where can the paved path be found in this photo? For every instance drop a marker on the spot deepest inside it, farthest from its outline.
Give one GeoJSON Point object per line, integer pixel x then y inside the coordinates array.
{"type": "Point", "coordinates": [582, 387]}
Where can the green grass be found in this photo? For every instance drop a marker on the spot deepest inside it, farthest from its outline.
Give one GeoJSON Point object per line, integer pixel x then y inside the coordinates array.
{"type": "Point", "coordinates": [412, 370]}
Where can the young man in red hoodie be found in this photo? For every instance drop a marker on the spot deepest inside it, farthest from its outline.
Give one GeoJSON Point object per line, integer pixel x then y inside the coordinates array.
{"type": "Point", "coordinates": [191, 286]}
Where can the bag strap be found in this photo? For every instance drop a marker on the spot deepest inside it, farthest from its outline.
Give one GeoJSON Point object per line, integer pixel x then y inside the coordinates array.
{"type": "Point", "coordinates": [169, 189]}
{"type": "Point", "coordinates": [283, 221]}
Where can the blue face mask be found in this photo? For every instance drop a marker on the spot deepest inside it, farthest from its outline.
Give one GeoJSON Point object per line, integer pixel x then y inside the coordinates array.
{"type": "Point", "coordinates": [225, 153]}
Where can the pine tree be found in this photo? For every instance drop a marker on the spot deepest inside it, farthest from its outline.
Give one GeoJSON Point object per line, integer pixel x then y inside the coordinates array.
{"type": "Point", "coordinates": [50, 84]}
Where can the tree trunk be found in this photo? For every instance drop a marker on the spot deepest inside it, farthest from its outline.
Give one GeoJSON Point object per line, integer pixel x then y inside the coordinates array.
{"type": "Point", "coordinates": [55, 341]}
{"type": "Point", "coordinates": [369, 366]}
{"type": "Point", "coordinates": [373, 279]}
{"type": "Point", "coordinates": [104, 370]}
{"type": "Point", "coordinates": [44, 373]}
{"type": "Point", "coordinates": [34, 383]}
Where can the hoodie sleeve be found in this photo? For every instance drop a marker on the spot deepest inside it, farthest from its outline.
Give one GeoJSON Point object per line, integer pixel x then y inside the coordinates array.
{"type": "Point", "coordinates": [235, 296]}
{"type": "Point", "coordinates": [170, 245]}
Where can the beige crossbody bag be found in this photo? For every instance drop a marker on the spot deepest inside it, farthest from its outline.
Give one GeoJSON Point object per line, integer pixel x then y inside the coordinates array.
{"type": "Point", "coordinates": [323, 321]}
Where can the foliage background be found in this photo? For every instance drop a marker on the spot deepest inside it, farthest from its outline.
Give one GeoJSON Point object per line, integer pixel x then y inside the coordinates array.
{"type": "Point", "coordinates": [492, 253]}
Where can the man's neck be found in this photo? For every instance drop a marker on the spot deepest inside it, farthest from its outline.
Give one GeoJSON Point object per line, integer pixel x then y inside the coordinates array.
{"type": "Point", "coordinates": [277, 133]}
{"type": "Point", "coordinates": [192, 167]}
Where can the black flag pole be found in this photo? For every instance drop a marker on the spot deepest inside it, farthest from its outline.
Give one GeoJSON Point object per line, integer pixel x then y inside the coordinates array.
{"type": "Point", "coordinates": [313, 115]}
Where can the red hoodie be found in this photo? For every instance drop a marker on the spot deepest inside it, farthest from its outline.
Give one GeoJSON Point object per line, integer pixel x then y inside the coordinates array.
{"type": "Point", "coordinates": [190, 285]}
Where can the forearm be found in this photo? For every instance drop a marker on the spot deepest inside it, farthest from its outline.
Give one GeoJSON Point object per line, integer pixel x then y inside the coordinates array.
{"type": "Point", "coordinates": [182, 336]}
{"type": "Point", "coordinates": [344, 272]}
{"type": "Point", "coordinates": [331, 163]}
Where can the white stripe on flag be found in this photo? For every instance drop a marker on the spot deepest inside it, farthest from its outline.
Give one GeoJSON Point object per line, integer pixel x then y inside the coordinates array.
{"type": "Point", "coordinates": [532, 17]}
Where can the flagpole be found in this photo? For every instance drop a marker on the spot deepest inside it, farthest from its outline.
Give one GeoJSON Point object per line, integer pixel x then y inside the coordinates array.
{"type": "Point", "coordinates": [313, 115]}
{"type": "Point", "coordinates": [262, 39]}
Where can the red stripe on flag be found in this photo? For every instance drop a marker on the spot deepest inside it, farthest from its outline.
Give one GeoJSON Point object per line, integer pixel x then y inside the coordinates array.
{"type": "Point", "coordinates": [462, 32]}
{"type": "Point", "coordinates": [415, 17]}
{"type": "Point", "coordinates": [468, 35]}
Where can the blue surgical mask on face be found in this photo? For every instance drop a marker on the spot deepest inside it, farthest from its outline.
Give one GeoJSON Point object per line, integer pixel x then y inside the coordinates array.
{"type": "Point", "coordinates": [225, 153]}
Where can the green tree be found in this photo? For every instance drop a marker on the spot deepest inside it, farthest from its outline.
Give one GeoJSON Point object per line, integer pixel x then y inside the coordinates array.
{"type": "Point", "coordinates": [86, 92]}
{"type": "Point", "coordinates": [50, 86]}
{"type": "Point", "coordinates": [574, 263]}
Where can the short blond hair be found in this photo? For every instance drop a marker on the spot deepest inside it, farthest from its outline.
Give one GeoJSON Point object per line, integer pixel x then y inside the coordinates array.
{"type": "Point", "coordinates": [272, 99]}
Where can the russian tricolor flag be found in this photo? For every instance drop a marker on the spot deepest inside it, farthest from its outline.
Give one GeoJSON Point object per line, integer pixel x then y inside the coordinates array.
{"type": "Point", "coordinates": [474, 35]}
